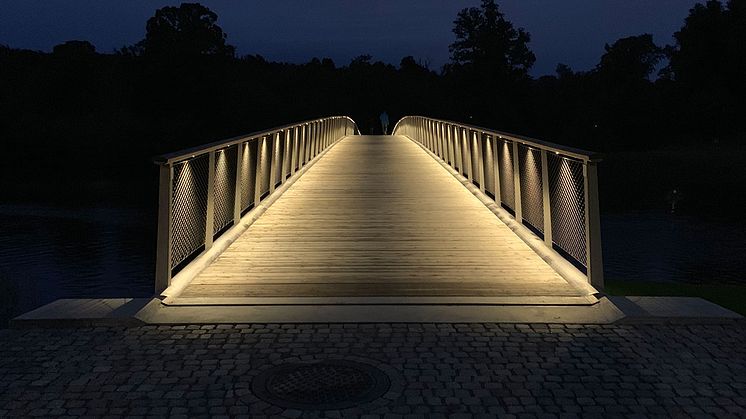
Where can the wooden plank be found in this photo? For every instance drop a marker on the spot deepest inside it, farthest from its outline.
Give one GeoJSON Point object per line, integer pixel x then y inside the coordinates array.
{"type": "Point", "coordinates": [377, 217]}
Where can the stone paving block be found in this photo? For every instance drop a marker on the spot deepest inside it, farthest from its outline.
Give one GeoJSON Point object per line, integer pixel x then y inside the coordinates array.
{"type": "Point", "coordinates": [443, 369]}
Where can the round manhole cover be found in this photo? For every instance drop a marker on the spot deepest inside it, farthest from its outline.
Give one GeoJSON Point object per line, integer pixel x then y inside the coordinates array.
{"type": "Point", "coordinates": [321, 385]}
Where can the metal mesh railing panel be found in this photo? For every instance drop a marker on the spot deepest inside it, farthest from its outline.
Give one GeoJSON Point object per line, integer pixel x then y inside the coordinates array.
{"type": "Point", "coordinates": [505, 166]}
{"type": "Point", "coordinates": [489, 165]}
{"type": "Point", "coordinates": [248, 174]}
{"type": "Point", "coordinates": [224, 188]}
{"type": "Point", "coordinates": [567, 200]}
{"type": "Point", "coordinates": [532, 195]}
{"type": "Point", "coordinates": [188, 208]}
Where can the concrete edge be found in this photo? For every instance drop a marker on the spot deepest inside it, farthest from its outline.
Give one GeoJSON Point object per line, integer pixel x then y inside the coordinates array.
{"type": "Point", "coordinates": [559, 264]}
{"type": "Point", "coordinates": [602, 313]}
{"type": "Point", "coordinates": [455, 300]}
{"type": "Point", "coordinates": [87, 313]}
{"type": "Point", "coordinates": [201, 262]}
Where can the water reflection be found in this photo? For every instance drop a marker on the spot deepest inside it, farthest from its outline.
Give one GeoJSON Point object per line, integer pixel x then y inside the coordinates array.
{"type": "Point", "coordinates": [657, 246]}
{"type": "Point", "coordinates": [50, 253]}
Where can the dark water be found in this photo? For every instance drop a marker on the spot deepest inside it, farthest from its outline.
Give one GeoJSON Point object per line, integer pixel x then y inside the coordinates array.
{"type": "Point", "coordinates": [48, 253]}
{"type": "Point", "coordinates": [657, 246]}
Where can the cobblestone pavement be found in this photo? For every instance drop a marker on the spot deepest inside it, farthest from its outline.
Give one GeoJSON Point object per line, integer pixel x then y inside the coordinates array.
{"type": "Point", "coordinates": [437, 370]}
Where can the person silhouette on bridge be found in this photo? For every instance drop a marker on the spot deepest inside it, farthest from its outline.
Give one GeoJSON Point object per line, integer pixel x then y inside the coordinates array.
{"type": "Point", "coordinates": [384, 122]}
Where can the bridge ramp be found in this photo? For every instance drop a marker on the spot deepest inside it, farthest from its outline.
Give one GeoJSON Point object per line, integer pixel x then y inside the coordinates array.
{"type": "Point", "coordinates": [377, 218]}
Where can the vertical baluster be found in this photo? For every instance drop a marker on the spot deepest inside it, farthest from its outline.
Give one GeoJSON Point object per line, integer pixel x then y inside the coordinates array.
{"type": "Point", "coordinates": [546, 199]}
{"type": "Point", "coordinates": [210, 221]}
{"type": "Point", "coordinates": [163, 252]}
{"type": "Point", "coordinates": [451, 160]}
{"type": "Point", "coordinates": [261, 151]}
{"type": "Point", "coordinates": [466, 153]}
{"type": "Point", "coordinates": [287, 154]}
{"type": "Point", "coordinates": [479, 138]}
{"type": "Point", "coordinates": [273, 161]}
{"type": "Point", "coordinates": [593, 226]}
{"type": "Point", "coordinates": [304, 145]}
{"type": "Point", "coordinates": [517, 183]}
{"type": "Point", "coordinates": [457, 150]}
{"type": "Point", "coordinates": [294, 151]}
{"type": "Point", "coordinates": [440, 141]}
{"type": "Point", "coordinates": [239, 175]}
{"type": "Point", "coordinates": [430, 135]}
{"type": "Point", "coordinates": [316, 138]}
{"type": "Point", "coordinates": [496, 169]}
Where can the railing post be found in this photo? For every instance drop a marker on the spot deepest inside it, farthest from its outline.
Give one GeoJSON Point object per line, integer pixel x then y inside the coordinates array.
{"type": "Point", "coordinates": [440, 141]}
{"type": "Point", "coordinates": [261, 151]}
{"type": "Point", "coordinates": [457, 150]}
{"type": "Point", "coordinates": [163, 251]}
{"type": "Point", "coordinates": [324, 135]}
{"type": "Point", "coordinates": [302, 155]}
{"type": "Point", "coordinates": [306, 142]}
{"type": "Point", "coordinates": [273, 161]}
{"type": "Point", "coordinates": [287, 152]}
{"type": "Point", "coordinates": [210, 221]}
{"type": "Point", "coordinates": [240, 147]}
{"type": "Point", "coordinates": [430, 136]}
{"type": "Point", "coordinates": [496, 169]}
{"type": "Point", "coordinates": [314, 140]}
{"type": "Point", "coordinates": [466, 141]}
{"type": "Point", "coordinates": [449, 145]}
{"type": "Point", "coordinates": [517, 183]}
{"type": "Point", "coordinates": [480, 138]}
{"type": "Point", "coordinates": [593, 227]}
{"type": "Point", "coordinates": [546, 199]}
{"type": "Point", "coordinates": [294, 151]}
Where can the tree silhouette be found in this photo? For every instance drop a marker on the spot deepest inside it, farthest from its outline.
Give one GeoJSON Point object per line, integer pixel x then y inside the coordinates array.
{"type": "Point", "coordinates": [186, 31]}
{"type": "Point", "coordinates": [708, 65]}
{"type": "Point", "coordinates": [489, 58]}
{"type": "Point", "coordinates": [486, 39]}
{"type": "Point", "coordinates": [631, 59]}
{"type": "Point", "coordinates": [74, 49]}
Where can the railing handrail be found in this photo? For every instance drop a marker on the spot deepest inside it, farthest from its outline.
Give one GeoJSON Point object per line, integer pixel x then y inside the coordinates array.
{"type": "Point", "coordinates": [578, 153]}
{"type": "Point", "coordinates": [550, 188]}
{"type": "Point", "coordinates": [187, 153]}
{"type": "Point", "coordinates": [206, 190]}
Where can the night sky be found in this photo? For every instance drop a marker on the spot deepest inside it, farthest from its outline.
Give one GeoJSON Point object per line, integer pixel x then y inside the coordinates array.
{"type": "Point", "coordinates": [569, 31]}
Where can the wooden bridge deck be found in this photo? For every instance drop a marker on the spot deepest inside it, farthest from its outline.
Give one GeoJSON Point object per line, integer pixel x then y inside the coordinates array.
{"type": "Point", "coordinates": [377, 217]}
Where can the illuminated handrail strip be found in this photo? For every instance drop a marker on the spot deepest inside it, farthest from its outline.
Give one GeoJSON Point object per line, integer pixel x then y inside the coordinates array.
{"type": "Point", "coordinates": [573, 152]}
{"type": "Point", "coordinates": [173, 157]}
{"type": "Point", "coordinates": [550, 188]}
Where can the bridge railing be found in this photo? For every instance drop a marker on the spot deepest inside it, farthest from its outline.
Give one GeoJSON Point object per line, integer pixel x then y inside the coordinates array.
{"type": "Point", "coordinates": [205, 190]}
{"type": "Point", "coordinates": [550, 188]}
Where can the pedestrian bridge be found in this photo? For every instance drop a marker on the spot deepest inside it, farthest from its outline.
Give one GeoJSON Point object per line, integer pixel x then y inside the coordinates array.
{"type": "Point", "coordinates": [438, 212]}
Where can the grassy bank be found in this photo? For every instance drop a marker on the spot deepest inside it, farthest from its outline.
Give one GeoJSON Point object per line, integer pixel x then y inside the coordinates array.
{"type": "Point", "coordinates": [732, 297]}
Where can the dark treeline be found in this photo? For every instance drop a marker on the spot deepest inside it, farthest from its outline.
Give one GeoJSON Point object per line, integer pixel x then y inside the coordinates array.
{"type": "Point", "coordinates": [86, 123]}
